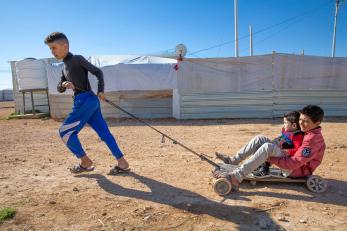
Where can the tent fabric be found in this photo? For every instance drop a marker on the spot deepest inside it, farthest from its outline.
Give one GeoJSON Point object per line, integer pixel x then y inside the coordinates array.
{"type": "Point", "coordinates": [258, 73]}
{"type": "Point", "coordinates": [225, 74]}
{"type": "Point", "coordinates": [295, 72]}
{"type": "Point", "coordinates": [125, 77]}
{"type": "Point", "coordinates": [107, 60]}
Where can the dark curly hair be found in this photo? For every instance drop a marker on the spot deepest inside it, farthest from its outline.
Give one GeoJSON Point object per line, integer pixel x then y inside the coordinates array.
{"type": "Point", "coordinates": [293, 117]}
{"type": "Point", "coordinates": [315, 112]}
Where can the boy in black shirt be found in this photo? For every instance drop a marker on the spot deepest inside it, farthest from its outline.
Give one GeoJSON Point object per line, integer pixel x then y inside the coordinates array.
{"type": "Point", "coordinates": [86, 105]}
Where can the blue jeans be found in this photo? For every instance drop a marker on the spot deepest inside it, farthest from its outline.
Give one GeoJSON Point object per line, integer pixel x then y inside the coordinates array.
{"type": "Point", "coordinates": [86, 109]}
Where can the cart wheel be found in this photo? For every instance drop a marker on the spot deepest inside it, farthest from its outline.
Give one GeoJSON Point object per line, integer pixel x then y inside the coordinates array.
{"type": "Point", "coordinates": [316, 184]}
{"type": "Point", "coordinates": [222, 186]}
{"type": "Point", "coordinates": [253, 182]}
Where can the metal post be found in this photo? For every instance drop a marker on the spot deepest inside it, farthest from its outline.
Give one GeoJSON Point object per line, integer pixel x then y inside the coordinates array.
{"type": "Point", "coordinates": [250, 41]}
{"type": "Point", "coordinates": [49, 107]}
{"type": "Point", "coordinates": [32, 102]}
{"type": "Point", "coordinates": [236, 29]}
{"type": "Point", "coordinates": [23, 102]}
{"type": "Point", "coordinates": [334, 35]}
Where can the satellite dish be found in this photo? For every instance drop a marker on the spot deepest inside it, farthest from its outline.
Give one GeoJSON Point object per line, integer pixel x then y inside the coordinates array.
{"type": "Point", "coordinates": [180, 51]}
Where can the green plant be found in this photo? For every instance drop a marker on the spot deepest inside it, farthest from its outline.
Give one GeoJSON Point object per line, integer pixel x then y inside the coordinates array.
{"type": "Point", "coordinates": [6, 213]}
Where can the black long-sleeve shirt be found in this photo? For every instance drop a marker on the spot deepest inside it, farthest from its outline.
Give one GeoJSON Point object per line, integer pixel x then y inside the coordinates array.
{"type": "Point", "coordinates": [75, 70]}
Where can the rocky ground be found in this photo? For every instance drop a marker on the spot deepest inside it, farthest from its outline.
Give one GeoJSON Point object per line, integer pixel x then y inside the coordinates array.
{"type": "Point", "coordinates": [168, 189]}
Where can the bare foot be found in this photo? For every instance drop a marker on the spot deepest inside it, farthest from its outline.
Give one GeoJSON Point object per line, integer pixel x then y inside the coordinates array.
{"type": "Point", "coordinates": [122, 163]}
{"type": "Point", "coordinates": [86, 162]}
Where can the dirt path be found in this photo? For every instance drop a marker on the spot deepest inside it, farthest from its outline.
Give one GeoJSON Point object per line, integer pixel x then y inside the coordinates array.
{"type": "Point", "coordinates": [168, 189]}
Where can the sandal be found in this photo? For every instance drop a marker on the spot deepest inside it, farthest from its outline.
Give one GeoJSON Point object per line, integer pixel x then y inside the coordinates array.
{"type": "Point", "coordinates": [118, 170]}
{"type": "Point", "coordinates": [79, 169]}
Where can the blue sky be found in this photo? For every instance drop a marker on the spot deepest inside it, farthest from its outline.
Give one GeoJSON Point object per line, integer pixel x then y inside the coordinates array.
{"type": "Point", "coordinates": [156, 26]}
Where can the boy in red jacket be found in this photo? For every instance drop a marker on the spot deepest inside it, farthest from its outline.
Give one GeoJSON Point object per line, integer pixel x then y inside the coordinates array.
{"type": "Point", "coordinates": [301, 163]}
{"type": "Point", "coordinates": [286, 144]}
{"type": "Point", "coordinates": [309, 156]}
{"type": "Point", "coordinates": [289, 141]}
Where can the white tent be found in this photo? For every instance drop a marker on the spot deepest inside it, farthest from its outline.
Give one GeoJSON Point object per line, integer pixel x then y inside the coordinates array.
{"type": "Point", "coordinates": [142, 84]}
{"type": "Point", "coordinates": [128, 76]}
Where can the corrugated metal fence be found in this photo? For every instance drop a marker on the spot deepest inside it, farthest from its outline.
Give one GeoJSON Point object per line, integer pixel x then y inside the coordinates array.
{"type": "Point", "coordinates": [262, 104]}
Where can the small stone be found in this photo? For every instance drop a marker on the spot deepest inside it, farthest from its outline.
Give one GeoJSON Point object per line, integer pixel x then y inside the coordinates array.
{"type": "Point", "coordinates": [302, 221]}
{"type": "Point", "coordinates": [146, 218]}
{"type": "Point", "coordinates": [52, 202]}
{"type": "Point", "coordinates": [118, 205]}
{"type": "Point", "coordinates": [76, 189]}
{"type": "Point", "coordinates": [42, 215]}
{"type": "Point", "coordinates": [104, 214]}
{"type": "Point", "coordinates": [147, 208]}
{"type": "Point", "coordinates": [189, 205]}
{"type": "Point", "coordinates": [283, 218]}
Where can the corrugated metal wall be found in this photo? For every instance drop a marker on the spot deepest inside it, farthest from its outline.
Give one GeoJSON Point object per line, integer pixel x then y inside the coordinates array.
{"type": "Point", "coordinates": [265, 104]}
{"type": "Point", "coordinates": [143, 104]}
{"type": "Point", "coordinates": [334, 103]}
{"type": "Point", "coordinates": [225, 105]}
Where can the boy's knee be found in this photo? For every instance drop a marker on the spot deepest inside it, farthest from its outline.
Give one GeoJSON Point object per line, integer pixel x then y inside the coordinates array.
{"type": "Point", "coordinates": [65, 136]}
{"type": "Point", "coordinates": [258, 138]}
{"type": "Point", "coordinates": [66, 130]}
{"type": "Point", "coordinates": [267, 147]}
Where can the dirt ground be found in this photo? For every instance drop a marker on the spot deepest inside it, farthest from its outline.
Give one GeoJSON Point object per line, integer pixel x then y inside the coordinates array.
{"type": "Point", "coordinates": [6, 108]}
{"type": "Point", "coordinates": [168, 189]}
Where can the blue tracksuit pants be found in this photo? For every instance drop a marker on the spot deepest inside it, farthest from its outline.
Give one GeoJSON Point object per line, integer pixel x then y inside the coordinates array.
{"type": "Point", "coordinates": [86, 109]}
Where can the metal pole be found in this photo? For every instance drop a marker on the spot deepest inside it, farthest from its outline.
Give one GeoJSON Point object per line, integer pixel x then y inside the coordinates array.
{"type": "Point", "coordinates": [32, 103]}
{"type": "Point", "coordinates": [23, 102]}
{"type": "Point", "coordinates": [250, 41]}
{"type": "Point", "coordinates": [334, 35]}
{"type": "Point", "coordinates": [236, 29]}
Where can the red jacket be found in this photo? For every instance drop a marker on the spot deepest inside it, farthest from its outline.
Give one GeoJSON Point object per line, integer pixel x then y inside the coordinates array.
{"type": "Point", "coordinates": [307, 158]}
{"type": "Point", "coordinates": [291, 141]}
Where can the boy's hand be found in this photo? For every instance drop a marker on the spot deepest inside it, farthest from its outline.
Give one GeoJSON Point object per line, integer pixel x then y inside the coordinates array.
{"type": "Point", "coordinates": [101, 96]}
{"type": "Point", "coordinates": [68, 85]}
{"type": "Point", "coordinates": [285, 152]}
